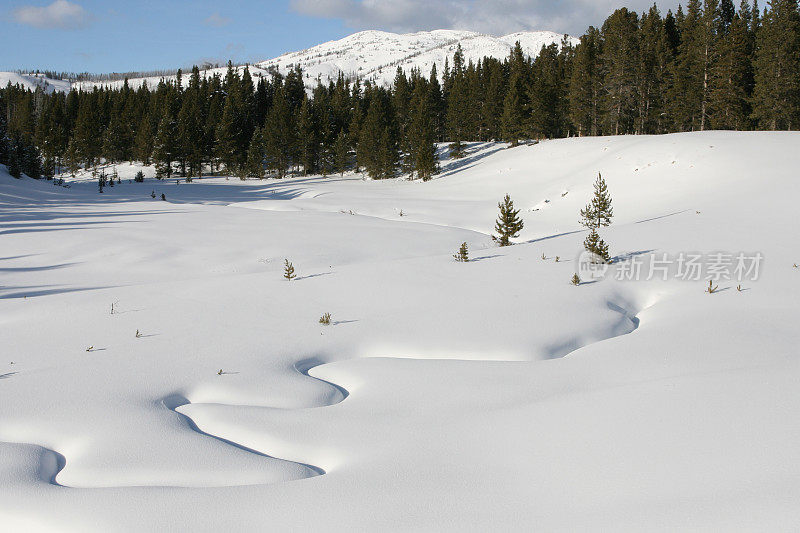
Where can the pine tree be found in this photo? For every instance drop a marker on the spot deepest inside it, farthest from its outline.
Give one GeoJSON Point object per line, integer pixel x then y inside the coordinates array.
{"type": "Point", "coordinates": [619, 61]}
{"type": "Point", "coordinates": [776, 96]}
{"type": "Point", "coordinates": [421, 134]}
{"type": "Point", "coordinates": [254, 167]}
{"type": "Point", "coordinates": [457, 106]}
{"type": "Point", "coordinates": [595, 245]}
{"type": "Point", "coordinates": [164, 146]}
{"type": "Point", "coordinates": [279, 134]}
{"type": "Point", "coordinates": [512, 120]}
{"type": "Point", "coordinates": [462, 256]}
{"type": "Point", "coordinates": [308, 133]}
{"type": "Point", "coordinates": [728, 98]}
{"type": "Point", "coordinates": [342, 151]}
{"type": "Point", "coordinates": [687, 91]}
{"type": "Point", "coordinates": [288, 270]}
{"type": "Point", "coordinates": [585, 90]}
{"type": "Point", "coordinates": [508, 223]}
{"type": "Point", "coordinates": [14, 167]}
{"type": "Point", "coordinates": [598, 212]}
{"type": "Point", "coordinates": [143, 143]}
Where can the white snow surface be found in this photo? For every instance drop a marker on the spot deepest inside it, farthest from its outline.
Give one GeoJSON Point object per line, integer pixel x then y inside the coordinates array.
{"type": "Point", "coordinates": [369, 55]}
{"type": "Point", "coordinates": [489, 395]}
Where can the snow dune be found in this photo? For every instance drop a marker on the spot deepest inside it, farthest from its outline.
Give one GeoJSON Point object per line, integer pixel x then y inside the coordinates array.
{"type": "Point", "coordinates": [444, 396]}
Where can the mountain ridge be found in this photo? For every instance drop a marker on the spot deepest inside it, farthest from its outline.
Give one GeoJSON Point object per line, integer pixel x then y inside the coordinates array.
{"type": "Point", "coordinates": [371, 55]}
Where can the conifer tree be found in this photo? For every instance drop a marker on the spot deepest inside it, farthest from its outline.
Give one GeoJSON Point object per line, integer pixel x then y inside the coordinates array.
{"type": "Point", "coordinates": [585, 89]}
{"type": "Point", "coordinates": [254, 167]}
{"type": "Point", "coordinates": [776, 96]}
{"type": "Point", "coordinates": [143, 144]}
{"type": "Point", "coordinates": [279, 134]}
{"type": "Point", "coordinates": [619, 62]}
{"type": "Point", "coordinates": [595, 245]}
{"type": "Point", "coordinates": [462, 255]}
{"type": "Point", "coordinates": [512, 120]}
{"type": "Point", "coordinates": [308, 134]}
{"type": "Point", "coordinates": [422, 135]}
{"type": "Point", "coordinates": [508, 223]}
{"type": "Point", "coordinates": [288, 270]}
{"type": "Point", "coordinates": [598, 212]}
{"type": "Point", "coordinates": [342, 152]}
{"type": "Point", "coordinates": [164, 145]}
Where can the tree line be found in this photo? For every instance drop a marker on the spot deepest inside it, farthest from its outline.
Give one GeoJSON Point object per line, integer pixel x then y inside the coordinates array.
{"type": "Point", "coordinates": [710, 66]}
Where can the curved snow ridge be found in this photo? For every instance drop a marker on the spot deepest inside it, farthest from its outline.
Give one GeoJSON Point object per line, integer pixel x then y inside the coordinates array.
{"type": "Point", "coordinates": [628, 323]}
{"type": "Point", "coordinates": [31, 463]}
{"type": "Point", "coordinates": [177, 403]}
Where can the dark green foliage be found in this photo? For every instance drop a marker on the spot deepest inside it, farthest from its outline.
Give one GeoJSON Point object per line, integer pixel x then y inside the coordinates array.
{"type": "Point", "coordinates": [508, 224]}
{"type": "Point", "coordinates": [595, 245]}
{"type": "Point", "coordinates": [254, 168]}
{"type": "Point", "coordinates": [776, 97]}
{"type": "Point", "coordinates": [598, 212]}
{"type": "Point", "coordinates": [462, 255]}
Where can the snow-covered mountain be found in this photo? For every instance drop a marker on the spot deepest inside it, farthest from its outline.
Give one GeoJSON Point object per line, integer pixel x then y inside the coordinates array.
{"type": "Point", "coordinates": [370, 55]}
{"type": "Point", "coordinates": [375, 55]}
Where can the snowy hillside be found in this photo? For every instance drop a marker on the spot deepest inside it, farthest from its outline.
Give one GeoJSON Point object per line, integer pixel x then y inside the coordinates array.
{"type": "Point", "coordinates": [32, 81]}
{"type": "Point", "coordinates": [490, 395]}
{"type": "Point", "coordinates": [375, 55]}
{"type": "Point", "coordinates": [371, 55]}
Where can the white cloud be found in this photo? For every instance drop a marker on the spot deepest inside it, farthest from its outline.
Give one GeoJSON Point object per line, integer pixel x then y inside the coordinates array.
{"type": "Point", "coordinates": [216, 20]}
{"type": "Point", "coordinates": [496, 17]}
{"type": "Point", "coordinates": [60, 14]}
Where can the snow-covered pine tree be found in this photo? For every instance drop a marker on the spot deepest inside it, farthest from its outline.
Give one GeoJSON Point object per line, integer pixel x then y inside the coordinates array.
{"type": "Point", "coordinates": [508, 223]}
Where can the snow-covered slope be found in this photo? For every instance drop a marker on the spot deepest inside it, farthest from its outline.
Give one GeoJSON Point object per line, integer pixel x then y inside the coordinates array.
{"type": "Point", "coordinates": [488, 395]}
{"type": "Point", "coordinates": [371, 55]}
{"type": "Point", "coordinates": [32, 81]}
{"type": "Point", "coordinates": [375, 55]}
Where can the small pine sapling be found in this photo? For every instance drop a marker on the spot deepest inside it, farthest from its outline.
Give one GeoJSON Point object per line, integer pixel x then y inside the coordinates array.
{"type": "Point", "coordinates": [597, 246]}
{"type": "Point", "coordinates": [325, 319]}
{"type": "Point", "coordinates": [288, 270]}
{"type": "Point", "coordinates": [576, 280]}
{"type": "Point", "coordinates": [597, 214]}
{"type": "Point", "coordinates": [711, 287]}
{"type": "Point", "coordinates": [462, 256]}
{"type": "Point", "coordinates": [508, 223]}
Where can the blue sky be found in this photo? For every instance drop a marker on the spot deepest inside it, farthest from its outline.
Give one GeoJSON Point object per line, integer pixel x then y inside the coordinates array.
{"type": "Point", "coordinates": [113, 35]}
{"type": "Point", "coordinates": [103, 36]}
